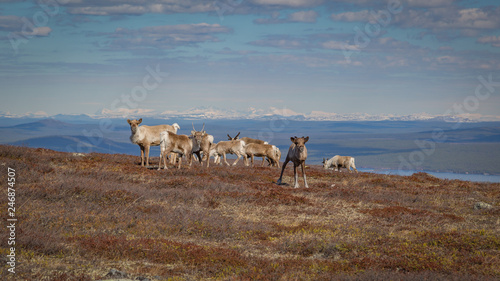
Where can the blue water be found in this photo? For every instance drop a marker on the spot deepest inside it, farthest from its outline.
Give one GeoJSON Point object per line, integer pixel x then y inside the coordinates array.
{"type": "Point", "coordinates": [450, 176]}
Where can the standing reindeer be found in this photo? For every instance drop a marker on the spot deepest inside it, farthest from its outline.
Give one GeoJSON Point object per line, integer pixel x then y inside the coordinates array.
{"type": "Point", "coordinates": [202, 143]}
{"type": "Point", "coordinates": [223, 147]}
{"type": "Point", "coordinates": [180, 144]}
{"type": "Point", "coordinates": [146, 136]}
{"type": "Point", "coordinates": [297, 153]}
{"type": "Point", "coordinates": [248, 141]}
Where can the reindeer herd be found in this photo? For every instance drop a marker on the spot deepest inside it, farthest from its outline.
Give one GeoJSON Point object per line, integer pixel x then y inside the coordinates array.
{"type": "Point", "coordinates": [202, 145]}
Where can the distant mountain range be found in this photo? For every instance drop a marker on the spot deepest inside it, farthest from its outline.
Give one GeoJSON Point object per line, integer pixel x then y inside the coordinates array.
{"type": "Point", "coordinates": [251, 113]}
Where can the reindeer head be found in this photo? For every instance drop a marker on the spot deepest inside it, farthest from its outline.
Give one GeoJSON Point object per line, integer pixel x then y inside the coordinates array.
{"type": "Point", "coordinates": [198, 135]}
{"type": "Point", "coordinates": [325, 163]}
{"type": "Point", "coordinates": [134, 124]}
{"type": "Point", "coordinates": [300, 143]}
{"type": "Point", "coordinates": [235, 137]}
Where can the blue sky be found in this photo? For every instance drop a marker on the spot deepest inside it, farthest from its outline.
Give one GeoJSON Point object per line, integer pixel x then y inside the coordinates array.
{"type": "Point", "coordinates": [375, 57]}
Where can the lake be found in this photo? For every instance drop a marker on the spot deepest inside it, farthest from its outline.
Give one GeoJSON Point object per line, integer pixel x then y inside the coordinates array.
{"type": "Point", "coordinates": [441, 175]}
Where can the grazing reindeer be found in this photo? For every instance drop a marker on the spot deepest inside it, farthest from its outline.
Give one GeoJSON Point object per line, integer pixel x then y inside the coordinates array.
{"type": "Point", "coordinates": [202, 143]}
{"type": "Point", "coordinates": [297, 153]}
{"type": "Point", "coordinates": [181, 144]}
{"type": "Point", "coordinates": [262, 150]}
{"type": "Point", "coordinates": [223, 147]}
{"type": "Point", "coordinates": [146, 136]}
{"type": "Point", "coordinates": [338, 162]}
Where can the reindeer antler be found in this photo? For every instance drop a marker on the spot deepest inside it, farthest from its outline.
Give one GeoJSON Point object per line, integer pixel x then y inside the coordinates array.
{"type": "Point", "coordinates": [203, 127]}
{"type": "Point", "coordinates": [236, 137]}
{"type": "Point", "coordinates": [193, 126]}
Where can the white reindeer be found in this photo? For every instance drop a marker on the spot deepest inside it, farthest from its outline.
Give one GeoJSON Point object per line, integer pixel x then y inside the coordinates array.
{"type": "Point", "coordinates": [338, 162]}
{"type": "Point", "coordinates": [297, 153]}
{"type": "Point", "coordinates": [146, 136]}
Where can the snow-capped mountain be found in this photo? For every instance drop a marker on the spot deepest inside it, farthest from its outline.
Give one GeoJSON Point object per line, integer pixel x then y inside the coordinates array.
{"type": "Point", "coordinates": [252, 113]}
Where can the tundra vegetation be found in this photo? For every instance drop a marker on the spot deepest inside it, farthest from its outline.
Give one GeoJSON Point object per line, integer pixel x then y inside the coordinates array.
{"type": "Point", "coordinates": [79, 216]}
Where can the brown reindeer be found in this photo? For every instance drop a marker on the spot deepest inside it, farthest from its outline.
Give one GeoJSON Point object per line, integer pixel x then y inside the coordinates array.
{"type": "Point", "coordinates": [146, 136]}
{"type": "Point", "coordinates": [180, 144]}
{"type": "Point", "coordinates": [297, 153]}
{"type": "Point", "coordinates": [202, 143]}
{"type": "Point", "coordinates": [248, 141]}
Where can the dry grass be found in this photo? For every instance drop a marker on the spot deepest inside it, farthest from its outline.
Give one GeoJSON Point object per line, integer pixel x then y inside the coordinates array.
{"type": "Point", "coordinates": [80, 216]}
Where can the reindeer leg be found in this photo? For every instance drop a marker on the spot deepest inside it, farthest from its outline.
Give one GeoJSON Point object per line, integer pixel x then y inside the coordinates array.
{"type": "Point", "coordinates": [161, 156]}
{"type": "Point", "coordinates": [225, 161]}
{"type": "Point", "coordinates": [237, 159]}
{"type": "Point", "coordinates": [190, 156]}
{"type": "Point", "coordinates": [147, 155]}
{"type": "Point", "coordinates": [282, 170]}
{"type": "Point", "coordinates": [296, 176]}
{"type": "Point", "coordinates": [180, 162]}
{"type": "Point", "coordinates": [199, 158]}
{"type": "Point", "coordinates": [304, 174]}
{"type": "Point", "coordinates": [142, 155]}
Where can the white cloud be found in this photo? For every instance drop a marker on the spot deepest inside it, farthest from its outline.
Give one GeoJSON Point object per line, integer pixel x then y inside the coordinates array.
{"type": "Point", "coordinates": [493, 40]}
{"type": "Point", "coordinates": [429, 3]}
{"type": "Point", "coordinates": [288, 3]}
{"type": "Point", "coordinates": [131, 7]}
{"type": "Point", "coordinates": [23, 26]}
{"type": "Point", "coordinates": [39, 31]}
{"type": "Point", "coordinates": [303, 16]}
{"type": "Point", "coordinates": [363, 16]}
{"type": "Point", "coordinates": [335, 45]}
{"type": "Point", "coordinates": [469, 21]}
{"type": "Point", "coordinates": [166, 36]}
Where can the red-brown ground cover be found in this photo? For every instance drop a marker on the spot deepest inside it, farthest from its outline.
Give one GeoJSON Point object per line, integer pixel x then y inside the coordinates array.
{"type": "Point", "coordinates": [79, 216]}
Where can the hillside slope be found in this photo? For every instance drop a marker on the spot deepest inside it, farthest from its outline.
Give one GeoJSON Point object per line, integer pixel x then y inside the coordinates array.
{"type": "Point", "coordinates": [79, 216]}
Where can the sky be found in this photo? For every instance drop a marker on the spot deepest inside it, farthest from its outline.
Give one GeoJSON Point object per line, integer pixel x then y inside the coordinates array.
{"type": "Point", "coordinates": [368, 56]}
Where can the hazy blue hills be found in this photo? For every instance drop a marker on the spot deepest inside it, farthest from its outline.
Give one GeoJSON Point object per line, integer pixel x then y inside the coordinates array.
{"type": "Point", "coordinates": [79, 144]}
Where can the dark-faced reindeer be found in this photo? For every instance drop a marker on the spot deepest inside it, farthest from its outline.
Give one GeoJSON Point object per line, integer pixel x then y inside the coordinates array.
{"type": "Point", "coordinates": [147, 136]}
{"type": "Point", "coordinates": [297, 153]}
{"type": "Point", "coordinates": [202, 143]}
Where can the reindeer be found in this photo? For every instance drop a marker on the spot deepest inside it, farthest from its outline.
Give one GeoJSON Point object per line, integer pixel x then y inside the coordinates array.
{"type": "Point", "coordinates": [181, 144]}
{"type": "Point", "coordinates": [338, 162]}
{"type": "Point", "coordinates": [248, 141]}
{"type": "Point", "coordinates": [262, 150]}
{"type": "Point", "coordinates": [223, 147]}
{"type": "Point", "coordinates": [202, 143]}
{"type": "Point", "coordinates": [146, 136]}
{"type": "Point", "coordinates": [297, 153]}
{"type": "Point", "coordinates": [278, 155]}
